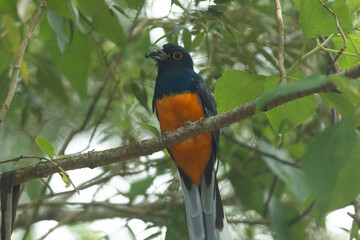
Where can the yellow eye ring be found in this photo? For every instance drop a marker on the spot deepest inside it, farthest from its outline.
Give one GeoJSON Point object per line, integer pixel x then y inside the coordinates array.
{"type": "Point", "coordinates": [177, 55]}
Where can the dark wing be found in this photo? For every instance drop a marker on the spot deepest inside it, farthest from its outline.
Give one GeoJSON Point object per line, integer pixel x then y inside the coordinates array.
{"type": "Point", "coordinates": [209, 106]}
{"type": "Point", "coordinates": [210, 187]}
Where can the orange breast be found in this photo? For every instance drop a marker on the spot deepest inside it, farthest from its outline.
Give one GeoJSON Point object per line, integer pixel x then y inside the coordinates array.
{"type": "Point", "coordinates": [193, 154]}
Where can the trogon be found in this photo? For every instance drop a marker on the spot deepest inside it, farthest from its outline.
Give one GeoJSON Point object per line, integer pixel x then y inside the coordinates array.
{"type": "Point", "coordinates": [182, 96]}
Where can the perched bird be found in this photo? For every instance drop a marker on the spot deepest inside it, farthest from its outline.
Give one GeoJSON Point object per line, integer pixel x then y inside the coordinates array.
{"type": "Point", "coordinates": [182, 96]}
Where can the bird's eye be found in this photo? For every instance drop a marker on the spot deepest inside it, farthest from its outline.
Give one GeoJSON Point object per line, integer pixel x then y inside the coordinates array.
{"type": "Point", "coordinates": [177, 55]}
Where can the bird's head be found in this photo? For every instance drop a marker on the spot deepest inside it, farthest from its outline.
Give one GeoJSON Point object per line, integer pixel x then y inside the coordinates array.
{"type": "Point", "coordinates": [171, 57]}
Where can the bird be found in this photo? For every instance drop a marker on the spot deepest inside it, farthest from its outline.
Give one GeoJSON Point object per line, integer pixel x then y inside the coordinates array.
{"type": "Point", "coordinates": [181, 96]}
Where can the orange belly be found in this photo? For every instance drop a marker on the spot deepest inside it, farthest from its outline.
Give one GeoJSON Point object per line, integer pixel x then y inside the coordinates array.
{"type": "Point", "coordinates": [193, 154]}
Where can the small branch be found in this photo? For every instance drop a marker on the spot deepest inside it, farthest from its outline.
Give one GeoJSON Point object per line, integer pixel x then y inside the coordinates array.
{"type": "Point", "coordinates": [152, 212]}
{"type": "Point", "coordinates": [249, 222]}
{"type": "Point", "coordinates": [23, 157]}
{"type": "Point", "coordinates": [310, 53]}
{"type": "Point", "coordinates": [303, 214]}
{"type": "Point", "coordinates": [322, 46]}
{"type": "Point", "coordinates": [62, 222]}
{"type": "Point", "coordinates": [16, 69]}
{"type": "Point", "coordinates": [254, 149]}
{"type": "Point", "coordinates": [356, 216]}
{"type": "Point", "coordinates": [341, 33]}
{"type": "Point", "coordinates": [334, 115]}
{"type": "Point", "coordinates": [281, 42]}
{"type": "Point", "coordinates": [272, 188]}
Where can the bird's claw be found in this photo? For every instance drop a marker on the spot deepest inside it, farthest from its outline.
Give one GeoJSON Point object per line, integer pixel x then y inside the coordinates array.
{"type": "Point", "coordinates": [187, 123]}
{"type": "Point", "coordinates": [164, 135]}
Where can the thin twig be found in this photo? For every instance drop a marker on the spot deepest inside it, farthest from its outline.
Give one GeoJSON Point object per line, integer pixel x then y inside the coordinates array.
{"type": "Point", "coordinates": [249, 222]}
{"type": "Point", "coordinates": [330, 50]}
{"type": "Point", "coordinates": [23, 157]}
{"type": "Point", "coordinates": [334, 115]}
{"type": "Point", "coordinates": [341, 33]}
{"type": "Point", "coordinates": [65, 174]}
{"type": "Point", "coordinates": [60, 223]}
{"type": "Point", "coordinates": [303, 214]}
{"type": "Point", "coordinates": [18, 25]}
{"type": "Point", "coordinates": [281, 42]}
{"type": "Point", "coordinates": [254, 149]}
{"type": "Point", "coordinates": [16, 68]}
{"type": "Point", "coordinates": [272, 188]}
{"type": "Point", "coordinates": [356, 215]}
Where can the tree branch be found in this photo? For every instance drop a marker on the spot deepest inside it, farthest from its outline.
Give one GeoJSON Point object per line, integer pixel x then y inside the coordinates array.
{"type": "Point", "coordinates": [341, 33]}
{"type": "Point", "coordinates": [254, 149]}
{"type": "Point", "coordinates": [281, 42]}
{"type": "Point", "coordinates": [146, 147]}
{"type": "Point", "coordinates": [19, 56]}
{"type": "Point", "coordinates": [91, 211]}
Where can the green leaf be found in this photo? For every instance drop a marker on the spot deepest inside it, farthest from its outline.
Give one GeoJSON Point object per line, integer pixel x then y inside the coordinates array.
{"type": "Point", "coordinates": [317, 21]}
{"type": "Point", "coordinates": [293, 177]}
{"type": "Point", "coordinates": [345, 191]}
{"type": "Point", "coordinates": [198, 40]}
{"type": "Point", "coordinates": [186, 38]}
{"type": "Point", "coordinates": [353, 46]}
{"type": "Point", "coordinates": [56, 22]}
{"type": "Point", "coordinates": [304, 84]}
{"type": "Point", "coordinates": [289, 115]}
{"type": "Point", "coordinates": [48, 78]}
{"type": "Point", "coordinates": [33, 188]}
{"type": "Point", "coordinates": [349, 87]}
{"type": "Point", "coordinates": [105, 21]}
{"type": "Point", "coordinates": [340, 101]}
{"type": "Point", "coordinates": [141, 95]}
{"type": "Point", "coordinates": [45, 147]}
{"type": "Point", "coordinates": [140, 187]}
{"type": "Point", "coordinates": [327, 167]}
{"type": "Point", "coordinates": [135, 4]}
{"type": "Point", "coordinates": [13, 38]}
{"type": "Point", "coordinates": [353, 6]}
{"type": "Point", "coordinates": [76, 62]}
{"type": "Point", "coordinates": [107, 24]}
{"type": "Point", "coordinates": [247, 189]}
{"type": "Point", "coordinates": [281, 216]}
{"type": "Point", "coordinates": [150, 128]}
{"type": "Point", "coordinates": [235, 88]}
{"type": "Point", "coordinates": [10, 7]}
{"type": "Point", "coordinates": [90, 7]}
{"type": "Point", "coordinates": [297, 3]}
{"type": "Point", "coordinates": [176, 227]}
{"type": "Point", "coordinates": [63, 8]}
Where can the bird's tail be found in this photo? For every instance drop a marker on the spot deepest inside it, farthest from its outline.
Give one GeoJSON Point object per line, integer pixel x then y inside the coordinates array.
{"type": "Point", "coordinates": [204, 211]}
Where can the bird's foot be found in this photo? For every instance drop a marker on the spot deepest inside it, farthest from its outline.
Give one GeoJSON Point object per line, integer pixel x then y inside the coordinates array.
{"type": "Point", "coordinates": [164, 135]}
{"type": "Point", "coordinates": [187, 123]}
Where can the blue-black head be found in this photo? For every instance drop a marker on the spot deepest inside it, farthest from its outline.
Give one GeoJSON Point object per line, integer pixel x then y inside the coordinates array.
{"type": "Point", "coordinates": [171, 57]}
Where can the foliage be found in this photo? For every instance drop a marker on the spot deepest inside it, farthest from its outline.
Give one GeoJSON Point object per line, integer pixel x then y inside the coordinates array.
{"type": "Point", "coordinates": [84, 71]}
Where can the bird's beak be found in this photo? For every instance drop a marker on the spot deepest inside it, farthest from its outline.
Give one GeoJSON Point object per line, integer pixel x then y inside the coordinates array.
{"type": "Point", "coordinates": [157, 54]}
